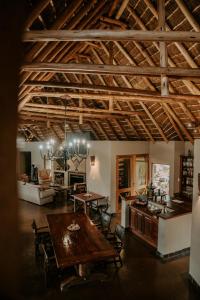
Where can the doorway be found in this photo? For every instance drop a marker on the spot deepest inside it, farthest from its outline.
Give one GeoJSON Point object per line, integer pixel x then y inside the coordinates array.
{"type": "Point", "coordinates": [25, 163]}
{"type": "Point", "coordinates": [132, 175]}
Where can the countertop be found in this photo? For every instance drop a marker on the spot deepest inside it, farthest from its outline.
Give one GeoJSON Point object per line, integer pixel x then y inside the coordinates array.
{"type": "Point", "coordinates": [179, 209]}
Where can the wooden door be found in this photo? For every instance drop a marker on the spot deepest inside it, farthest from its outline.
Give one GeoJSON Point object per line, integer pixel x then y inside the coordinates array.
{"type": "Point", "coordinates": [128, 181]}
{"type": "Point", "coordinates": [124, 178]}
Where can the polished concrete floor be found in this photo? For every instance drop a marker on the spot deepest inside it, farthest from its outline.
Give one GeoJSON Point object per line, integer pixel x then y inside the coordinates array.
{"type": "Point", "coordinates": [143, 275]}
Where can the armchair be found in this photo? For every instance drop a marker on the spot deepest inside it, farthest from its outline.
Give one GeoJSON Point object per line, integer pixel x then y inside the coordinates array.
{"type": "Point", "coordinates": [44, 176]}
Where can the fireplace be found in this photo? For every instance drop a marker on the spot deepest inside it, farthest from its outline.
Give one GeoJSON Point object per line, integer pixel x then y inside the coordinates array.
{"type": "Point", "coordinates": [76, 177]}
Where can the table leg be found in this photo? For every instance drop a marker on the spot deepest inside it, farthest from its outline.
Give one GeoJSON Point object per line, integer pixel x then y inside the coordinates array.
{"type": "Point", "coordinates": [82, 270]}
{"type": "Point", "coordinates": [83, 277]}
{"type": "Point", "coordinates": [74, 205]}
{"type": "Point", "coordinates": [85, 205]}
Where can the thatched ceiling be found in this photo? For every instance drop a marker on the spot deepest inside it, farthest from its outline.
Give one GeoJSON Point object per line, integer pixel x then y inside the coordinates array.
{"type": "Point", "coordinates": [112, 106]}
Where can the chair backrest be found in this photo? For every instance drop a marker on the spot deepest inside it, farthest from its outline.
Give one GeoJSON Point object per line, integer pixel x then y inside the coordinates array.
{"type": "Point", "coordinates": [120, 232]}
{"type": "Point", "coordinates": [48, 252]}
{"type": "Point", "coordinates": [80, 188]}
{"type": "Point", "coordinates": [105, 220]}
{"type": "Point", "coordinates": [34, 226]}
{"type": "Point", "coordinates": [44, 173]}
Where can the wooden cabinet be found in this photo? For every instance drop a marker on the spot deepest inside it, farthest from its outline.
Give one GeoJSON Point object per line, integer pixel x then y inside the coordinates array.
{"type": "Point", "coordinates": [186, 177]}
{"type": "Point", "coordinates": [144, 226]}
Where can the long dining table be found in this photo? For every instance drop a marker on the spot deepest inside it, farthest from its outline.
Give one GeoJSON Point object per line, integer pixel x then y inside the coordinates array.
{"type": "Point", "coordinates": [77, 248]}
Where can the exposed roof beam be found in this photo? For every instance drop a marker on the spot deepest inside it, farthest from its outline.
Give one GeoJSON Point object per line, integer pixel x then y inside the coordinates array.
{"type": "Point", "coordinates": [89, 87]}
{"type": "Point", "coordinates": [83, 110]}
{"type": "Point", "coordinates": [154, 121]}
{"type": "Point", "coordinates": [106, 96]}
{"type": "Point", "coordinates": [61, 113]}
{"type": "Point", "coordinates": [182, 127]}
{"type": "Point", "coordinates": [109, 35]}
{"type": "Point", "coordinates": [188, 15]}
{"type": "Point", "coordinates": [181, 49]}
{"type": "Point", "coordinates": [109, 69]}
{"type": "Point", "coordinates": [36, 12]}
{"type": "Point", "coordinates": [102, 130]}
{"type": "Point", "coordinates": [146, 129]}
{"type": "Point", "coordinates": [173, 123]}
{"type": "Point", "coordinates": [121, 9]}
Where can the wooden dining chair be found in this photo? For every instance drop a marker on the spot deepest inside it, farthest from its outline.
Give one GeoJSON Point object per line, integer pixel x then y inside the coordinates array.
{"type": "Point", "coordinates": [41, 235]}
{"type": "Point", "coordinates": [49, 262]}
{"type": "Point", "coordinates": [101, 205]}
{"type": "Point", "coordinates": [105, 222]}
{"type": "Point", "coordinates": [117, 240]}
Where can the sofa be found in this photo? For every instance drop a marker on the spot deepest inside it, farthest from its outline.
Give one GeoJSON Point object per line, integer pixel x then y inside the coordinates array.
{"type": "Point", "coordinates": [35, 193]}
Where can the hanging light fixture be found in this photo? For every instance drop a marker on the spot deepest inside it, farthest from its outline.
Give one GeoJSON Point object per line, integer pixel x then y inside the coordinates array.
{"type": "Point", "coordinates": [75, 149]}
{"type": "Point", "coordinates": [47, 152]}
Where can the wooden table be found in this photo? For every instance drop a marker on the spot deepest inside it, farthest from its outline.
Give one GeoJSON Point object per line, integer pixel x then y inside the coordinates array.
{"type": "Point", "coordinates": [87, 198]}
{"type": "Point", "coordinates": [80, 247]}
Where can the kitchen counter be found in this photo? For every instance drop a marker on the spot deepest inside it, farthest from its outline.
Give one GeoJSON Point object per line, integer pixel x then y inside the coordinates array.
{"type": "Point", "coordinates": [178, 209]}
{"type": "Point", "coordinates": [169, 233]}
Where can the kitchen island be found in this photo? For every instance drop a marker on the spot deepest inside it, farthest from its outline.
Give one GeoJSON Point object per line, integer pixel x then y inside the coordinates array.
{"type": "Point", "coordinates": [166, 228]}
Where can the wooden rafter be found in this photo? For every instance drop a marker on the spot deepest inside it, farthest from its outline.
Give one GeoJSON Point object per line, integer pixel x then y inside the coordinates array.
{"type": "Point", "coordinates": [83, 109]}
{"type": "Point", "coordinates": [185, 131]}
{"type": "Point", "coordinates": [154, 121]}
{"type": "Point", "coordinates": [106, 96]}
{"type": "Point", "coordinates": [173, 124]}
{"type": "Point", "coordinates": [109, 69]}
{"type": "Point", "coordinates": [36, 13]}
{"type": "Point", "coordinates": [109, 35]}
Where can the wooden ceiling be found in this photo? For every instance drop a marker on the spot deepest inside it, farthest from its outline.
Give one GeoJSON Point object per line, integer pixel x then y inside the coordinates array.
{"type": "Point", "coordinates": [112, 68]}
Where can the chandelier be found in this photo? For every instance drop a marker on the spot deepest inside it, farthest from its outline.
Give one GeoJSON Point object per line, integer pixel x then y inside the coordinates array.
{"type": "Point", "coordinates": [48, 152]}
{"type": "Point", "coordinates": [75, 150]}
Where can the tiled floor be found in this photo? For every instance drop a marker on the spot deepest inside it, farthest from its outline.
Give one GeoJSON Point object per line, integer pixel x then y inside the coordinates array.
{"type": "Point", "coordinates": [143, 275]}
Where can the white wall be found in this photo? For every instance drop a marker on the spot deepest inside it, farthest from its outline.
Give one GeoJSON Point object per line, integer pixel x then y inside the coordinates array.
{"type": "Point", "coordinates": [195, 241]}
{"type": "Point", "coordinates": [33, 147]}
{"type": "Point", "coordinates": [99, 176]}
{"type": "Point", "coordinates": [174, 234]}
